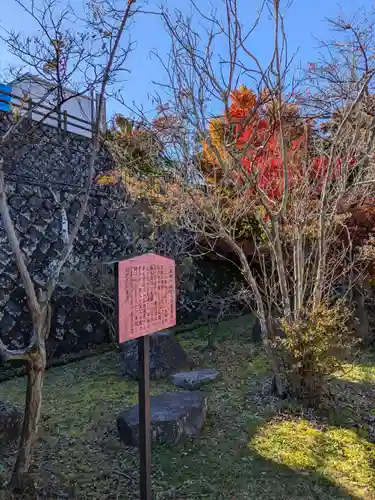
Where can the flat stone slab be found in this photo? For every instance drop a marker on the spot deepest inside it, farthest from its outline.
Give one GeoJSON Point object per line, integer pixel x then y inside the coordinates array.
{"type": "Point", "coordinates": [194, 379]}
{"type": "Point", "coordinates": [174, 415]}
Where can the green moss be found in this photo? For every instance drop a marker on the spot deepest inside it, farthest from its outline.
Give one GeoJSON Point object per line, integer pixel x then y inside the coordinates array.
{"type": "Point", "coordinates": [79, 452]}
{"type": "Point", "coordinates": [363, 371]}
{"type": "Point", "coordinates": [240, 326]}
{"type": "Point", "coordinates": [259, 365]}
{"type": "Point", "coordinates": [338, 454]}
{"type": "Point", "coordinates": [235, 328]}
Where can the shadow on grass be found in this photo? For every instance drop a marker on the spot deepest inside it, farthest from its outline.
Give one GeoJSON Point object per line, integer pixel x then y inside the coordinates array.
{"type": "Point", "coordinates": [337, 453]}
{"type": "Point", "coordinates": [347, 403]}
{"type": "Point", "coordinates": [280, 481]}
{"type": "Point", "coordinates": [350, 402]}
{"type": "Point", "coordinates": [199, 470]}
{"type": "Point", "coordinates": [81, 457]}
{"type": "Point", "coordinates": [231, 470]}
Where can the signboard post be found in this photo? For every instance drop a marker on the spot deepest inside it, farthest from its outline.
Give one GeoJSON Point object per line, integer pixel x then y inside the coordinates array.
{"type": "Point", "coordinates": [145, 304]}
{"type": "Point", "coordinates": [144, 418]}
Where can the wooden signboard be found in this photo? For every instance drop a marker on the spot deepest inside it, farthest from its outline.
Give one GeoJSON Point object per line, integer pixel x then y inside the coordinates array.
{"type": "Point", "coordinates": [146, 295]}
{"type": "Point", "coordinates": [146, 303]}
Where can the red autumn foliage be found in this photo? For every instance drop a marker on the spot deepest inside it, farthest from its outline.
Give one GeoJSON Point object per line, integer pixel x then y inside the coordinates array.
{"type": "Point", "coordinates": [257, 138]}
{"type": "Point", "coordinates": [360, 224]}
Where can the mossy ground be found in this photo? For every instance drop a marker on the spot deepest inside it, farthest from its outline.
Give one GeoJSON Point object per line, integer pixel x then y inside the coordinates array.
{"type": "Point", "coordinates": [253, 446]}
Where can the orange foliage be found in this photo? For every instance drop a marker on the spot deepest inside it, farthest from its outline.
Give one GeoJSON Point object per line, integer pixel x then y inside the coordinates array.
{"type": "Point", "coordinates": [243, 101]}
{"type": "Point", "coordinates": [252, 128]}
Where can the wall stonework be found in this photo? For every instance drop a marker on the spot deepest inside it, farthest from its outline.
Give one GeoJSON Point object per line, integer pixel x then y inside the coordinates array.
{"type": "Point", "coordinates": [44, 154]}
{"type": "Point", "coordinates": [44, 174]}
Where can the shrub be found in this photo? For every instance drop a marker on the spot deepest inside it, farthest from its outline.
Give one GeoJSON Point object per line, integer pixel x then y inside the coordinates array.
{"type": "Point", "coordinates": [310, 348]}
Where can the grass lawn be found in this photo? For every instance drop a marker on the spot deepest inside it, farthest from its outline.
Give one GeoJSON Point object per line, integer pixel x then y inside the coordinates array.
{"type": "Point", "coordinates": [252, 446]}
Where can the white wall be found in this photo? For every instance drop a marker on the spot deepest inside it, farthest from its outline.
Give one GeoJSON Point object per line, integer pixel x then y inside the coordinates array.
{"type": "Point", "coordinates": [77, 106]}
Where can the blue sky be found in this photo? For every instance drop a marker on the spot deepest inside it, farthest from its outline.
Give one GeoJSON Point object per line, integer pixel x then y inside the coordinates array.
{"type": "Point", "coordinates": [304, 20]}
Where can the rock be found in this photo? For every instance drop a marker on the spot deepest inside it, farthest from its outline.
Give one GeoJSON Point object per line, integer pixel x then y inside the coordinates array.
{"type": "Point", "coordinates": [174, 415]}
{"type": "Point", "coordinates": [166, 357]}
{"type": "Point", "coordinates": [10, 422]}
{"type": "Point", "coordinates": [194, 379]}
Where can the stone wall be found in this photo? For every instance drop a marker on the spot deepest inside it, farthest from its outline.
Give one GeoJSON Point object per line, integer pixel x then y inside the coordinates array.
{"type": "Point", "coordinates": [45, 172]}
{"type": "Point", "coordinates": [39, 153]}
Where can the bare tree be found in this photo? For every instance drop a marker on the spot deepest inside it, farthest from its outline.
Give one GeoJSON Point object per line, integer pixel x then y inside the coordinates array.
{"type": "Point", "coordinates": [276, 191]}
{"type": "Point", "coordinates": [89, 60]}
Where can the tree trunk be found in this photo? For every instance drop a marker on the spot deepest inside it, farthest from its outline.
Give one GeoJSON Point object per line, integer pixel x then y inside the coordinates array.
{"type": "Point", "coordinates": [280, 387]}
{"type": "Point", "coordinates": [212, 336]}
{"type": "Point", "coordinates": [361, 320]}
{"type": "Point", "coordinates": [279, 383]}
{"type": "Point", "coordinates": [35, 375]}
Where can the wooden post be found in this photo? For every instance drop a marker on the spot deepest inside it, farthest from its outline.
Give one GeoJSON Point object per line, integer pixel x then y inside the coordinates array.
{"type": "Point", "coordinates": [117, 302]}
{"type": "Point", "coordinates": [144, 417]}
{"type": "Point", "coordinates": [135, 278]}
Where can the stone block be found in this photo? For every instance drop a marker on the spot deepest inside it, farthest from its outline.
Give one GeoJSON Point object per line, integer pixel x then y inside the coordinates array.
{"type": "Point", "coordinates": [174, 416]}
{"type": "Point", "coordinates": [194, 379]}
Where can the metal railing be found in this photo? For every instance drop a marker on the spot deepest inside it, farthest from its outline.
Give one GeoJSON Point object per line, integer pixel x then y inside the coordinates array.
{"type": "Point", "coordinates": [62, 117]}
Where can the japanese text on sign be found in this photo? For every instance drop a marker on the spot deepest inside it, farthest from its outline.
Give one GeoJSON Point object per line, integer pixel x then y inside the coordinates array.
{"type": "Point", "coordinates": [146, 295]}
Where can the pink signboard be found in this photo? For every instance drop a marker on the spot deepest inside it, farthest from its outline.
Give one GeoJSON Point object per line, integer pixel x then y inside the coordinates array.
{"type": "Point", "coordinates": [146, 295]}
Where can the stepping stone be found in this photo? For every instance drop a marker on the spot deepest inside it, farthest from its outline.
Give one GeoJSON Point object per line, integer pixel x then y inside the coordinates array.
{"type": "Point", "coordinates": [195, 379]}
{"type": "Point", "coordinates": [174, 415]}
{"type": "Point", "coordinates": [166, 357]}
{"type": "Point", "coordinates": [10, 422]}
